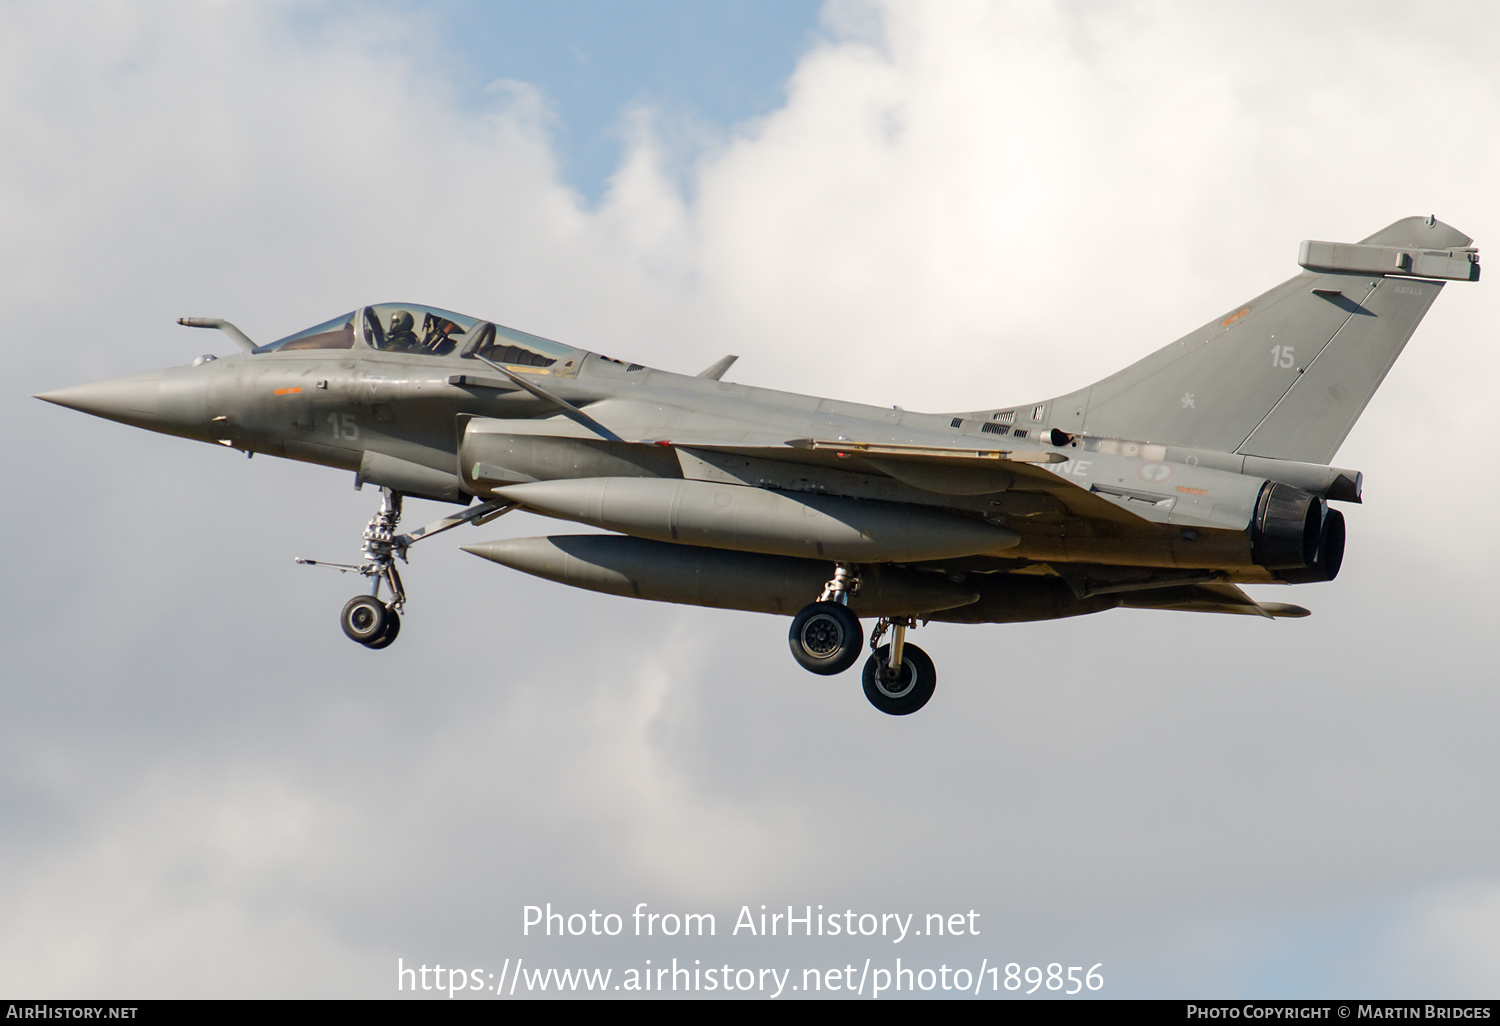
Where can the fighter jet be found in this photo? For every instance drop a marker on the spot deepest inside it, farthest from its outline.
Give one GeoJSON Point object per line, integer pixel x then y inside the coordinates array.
{"type": "Point", "coordinates": [1168, 485]}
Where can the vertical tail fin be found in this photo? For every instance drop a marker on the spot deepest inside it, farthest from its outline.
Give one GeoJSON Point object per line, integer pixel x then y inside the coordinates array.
{"type": "Point", "coordinates": [1287, 374]}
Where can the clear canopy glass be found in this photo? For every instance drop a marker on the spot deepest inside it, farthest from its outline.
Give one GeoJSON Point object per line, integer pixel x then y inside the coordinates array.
{"type": "Point", "coordinates": [429, 331]}
{"type": "Point", "coordinates": [409, 328]}
{"type": "Point", "coordinates": [335, 333]}
{"type": "Point", "coordinates": [507, 345]}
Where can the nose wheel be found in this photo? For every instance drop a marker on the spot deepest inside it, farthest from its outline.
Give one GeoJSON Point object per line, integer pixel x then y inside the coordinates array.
{"type": "Point", "coordinates": [368, 619]}
{"type": "Point", "coordinates": [370, 622]}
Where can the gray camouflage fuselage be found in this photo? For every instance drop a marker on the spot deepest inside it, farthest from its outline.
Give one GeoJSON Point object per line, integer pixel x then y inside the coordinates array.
{"type": "Point", "coordinates": [1201, 467]}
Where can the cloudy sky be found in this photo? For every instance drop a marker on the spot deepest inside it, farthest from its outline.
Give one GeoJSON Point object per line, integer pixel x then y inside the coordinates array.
{"type": "Point", "coordinates": [205, 790]}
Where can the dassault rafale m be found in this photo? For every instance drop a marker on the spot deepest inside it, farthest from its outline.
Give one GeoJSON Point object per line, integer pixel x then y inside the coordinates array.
{"type": "Point", "coordinates": [1167, 485]}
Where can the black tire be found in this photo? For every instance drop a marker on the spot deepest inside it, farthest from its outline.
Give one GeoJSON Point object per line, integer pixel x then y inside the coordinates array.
{"type": "Point", "coordinates": [364, 619]}
{"type": "Point", "coordinates": [392, 628]}
{"type": "Point", "coordinates": [912, 687]}
{"type": "Point", "coordinates": [826, 638]}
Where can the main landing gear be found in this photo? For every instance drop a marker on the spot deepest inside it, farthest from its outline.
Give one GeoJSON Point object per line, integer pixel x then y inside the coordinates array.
{"type": "Point", "coordinates": [899, 678]}
{"type": "Point", "coordinates": [368, 619]}
{"type": "Point", "coordinates": [826, 638]}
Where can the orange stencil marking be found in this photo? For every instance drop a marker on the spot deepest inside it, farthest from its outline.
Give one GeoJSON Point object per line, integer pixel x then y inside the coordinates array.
{"type": "Point", "coordinates": [287, 391]}
{"type": "Point", "coordinates": [1192, 491]}
{"type": "Point", "coordinates": [1226, 322]}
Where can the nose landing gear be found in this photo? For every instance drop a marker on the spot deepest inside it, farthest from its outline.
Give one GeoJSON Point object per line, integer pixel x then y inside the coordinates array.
{"type": "Point", "coordinates": [366, 618]}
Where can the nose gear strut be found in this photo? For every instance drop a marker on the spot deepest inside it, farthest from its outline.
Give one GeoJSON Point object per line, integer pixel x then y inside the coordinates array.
{"type": "Point", "coordinates": [366, 618]}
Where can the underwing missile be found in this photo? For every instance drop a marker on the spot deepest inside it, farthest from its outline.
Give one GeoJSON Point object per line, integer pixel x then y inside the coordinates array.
{"type": "Point", "coordinates": [723, 579]}
{"type": "Point", "coordinates": [748, 519]}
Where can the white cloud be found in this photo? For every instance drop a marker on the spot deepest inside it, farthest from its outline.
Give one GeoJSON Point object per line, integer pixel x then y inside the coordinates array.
{"type": "Point", "coordinates": [1452, 940]}
{"type": "Point", "coordinates": [183, 889]}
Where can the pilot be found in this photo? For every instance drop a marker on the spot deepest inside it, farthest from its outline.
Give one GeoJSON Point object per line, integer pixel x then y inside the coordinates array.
{"type": "Point", "coordinates": [400, 337]}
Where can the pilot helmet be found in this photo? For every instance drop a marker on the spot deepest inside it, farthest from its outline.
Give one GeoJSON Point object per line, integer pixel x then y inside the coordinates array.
{"type": "Point", "coordinates": [401, 321]}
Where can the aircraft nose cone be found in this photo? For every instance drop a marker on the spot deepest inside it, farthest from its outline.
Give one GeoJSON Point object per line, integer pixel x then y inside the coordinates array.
{"type": "Point", "coordinates": [135, 399]}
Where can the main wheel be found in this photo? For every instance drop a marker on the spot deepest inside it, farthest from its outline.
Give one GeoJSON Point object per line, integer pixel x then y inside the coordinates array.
{"type": "Point", "coordinates": [909, 689]}
{"type": "Point", "coordinates": [826, 638]}
{"type": "Point", "coordinates": [365, 619]}
{"type": "Point", "coordinates": [392, 628]}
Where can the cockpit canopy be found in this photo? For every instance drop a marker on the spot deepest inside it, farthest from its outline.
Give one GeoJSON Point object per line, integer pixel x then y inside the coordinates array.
{"type": "Point", "coordinates": [425, 330]}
